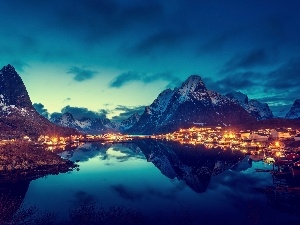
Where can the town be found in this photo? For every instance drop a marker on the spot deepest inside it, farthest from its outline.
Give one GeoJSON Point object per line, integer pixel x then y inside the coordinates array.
{"type": "Point", "coordinates": [270, 145]}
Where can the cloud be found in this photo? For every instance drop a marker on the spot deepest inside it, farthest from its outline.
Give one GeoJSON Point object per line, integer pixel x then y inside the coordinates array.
{"type": "Point", "coordinates": [235, 82]}
{"type": "Point", "coordinates": [218, 41]}
{"type": "Point", "coordinates": [285, 77]}
{"type": "Point", "coordinates": [279, 86]}
{"type": "Point", "coordinates": [98, 19]}
{"type": "Point", "coordinates": [67, 100]}
{"type": "Point", "coordinates": [55, 115]}
{"type": "Point", "coordinates": [256, 57]}
{"type": "Point", "coordinates": [40, 108]}
{"type": "Point", "coordinates": [125, 78]}
{"type": "Point", "coordinates": [127, 112]}
{"type": "Point", "coordinates": [81, 112]}
{"type": "Point", "coordinates": [130, 76]}
{"type": "Point", "coordinates": [165, 39]}
{"type": "Point", "coordinates": [81, 74]}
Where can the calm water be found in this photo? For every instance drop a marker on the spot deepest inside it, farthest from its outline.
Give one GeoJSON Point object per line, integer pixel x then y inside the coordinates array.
{"type": "Point", "coordinates": [168, 183]}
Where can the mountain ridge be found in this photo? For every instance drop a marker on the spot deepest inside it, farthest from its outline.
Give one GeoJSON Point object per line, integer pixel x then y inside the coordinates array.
{"type": "Point", "coordinates": [188, 105]}
{"type": "Point", "coordinates": [294, 112]}
{"type": "Point", "coordinates": [18, 117]}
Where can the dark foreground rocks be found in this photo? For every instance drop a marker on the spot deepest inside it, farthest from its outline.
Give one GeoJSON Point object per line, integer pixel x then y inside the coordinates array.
{"type": "Point", "coordinates": [25, 161]}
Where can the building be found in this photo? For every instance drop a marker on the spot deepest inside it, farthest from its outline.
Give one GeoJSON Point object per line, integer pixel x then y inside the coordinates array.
{"type": "Point", "coordinates": [259, 137]}
{"type": "Point", "coordinates": [280, 134]}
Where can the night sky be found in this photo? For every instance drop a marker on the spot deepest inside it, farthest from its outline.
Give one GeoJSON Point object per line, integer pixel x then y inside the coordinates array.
{"type": "Point", "coordinates": [102, 58]}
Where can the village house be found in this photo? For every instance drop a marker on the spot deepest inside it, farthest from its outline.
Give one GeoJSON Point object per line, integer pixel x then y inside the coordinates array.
{"type": "Point", "coordinates": [245, 134]}
{"type": "Point", "coordinates": [280, 134]}
{"type": "Point", "coordinates": [297, 137]}
{"type": "Point", "coordinates": [259, 137]}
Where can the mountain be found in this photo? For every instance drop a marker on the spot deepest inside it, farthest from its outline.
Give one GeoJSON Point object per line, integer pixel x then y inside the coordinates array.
{"type": "Point", "coordinates": [86, 125]}
{"type": "Point", "coordinates": [260, 111]}
{"type": "Point", "coordinates": [294, 112]}
{"type": "Point", "coordinates": [190, 105]}
{"type": "Point", "coordinates": [17, 115]}
{"type": "Point", "coordinates": [129, 122]}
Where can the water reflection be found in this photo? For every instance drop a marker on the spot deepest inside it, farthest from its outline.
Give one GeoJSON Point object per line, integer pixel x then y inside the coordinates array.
{"type": "Point", "coordinates": [126, 174]}
{"type": "Point", "coordinates": [193, 164]}
{"type": "Point", "coordinates": [104, 150]}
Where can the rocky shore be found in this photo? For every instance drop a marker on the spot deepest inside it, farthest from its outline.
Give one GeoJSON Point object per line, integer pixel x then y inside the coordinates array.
{"type": "Point", "coordinates": [24, 161]}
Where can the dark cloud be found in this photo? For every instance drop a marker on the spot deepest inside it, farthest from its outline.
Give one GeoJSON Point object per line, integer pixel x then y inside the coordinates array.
{"type": "Point", "coordinates": [235, 82]}
{"type": "Point", "coordinates": [67, 99]}
{"type": "Point", "coordinates": [256, 57]}
{"type": "Point", "coordinates": [81, 74]}
{"type": "Point", "coordinates": [125, 78]}
{"type": "Point", "coordinates": [127, 112]}
{"type": "Point", "coordinates": [280, 86]}
{"type": "Point", "coordinates": [285, 77]}
{"type": "Point", "coordinates": [81, 112]}
{"type": "Point", "coordinates": [98, 19]}
{"type": "Point", "coordinates": [40, 108]}
{"type": "Point", "coordinates": [55, 115]}
{"type": "Point", "coordinates": [130, 76]}
{"type": "Point", "coordinates": [217, 42]}
{"type": "Point", "coordinates": [163, 40]}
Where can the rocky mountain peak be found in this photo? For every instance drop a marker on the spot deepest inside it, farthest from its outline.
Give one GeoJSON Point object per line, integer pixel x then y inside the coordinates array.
{"type": "Point", "coordinates": [13, 89]}
{"type": "Point", "coordinates": [297, 103]}
{"type": "Point", "coordinates": [238, 96]}
{"type": "Point", "coordinates": [294, 112]}
{"type": "Point", "coordinates": [191, 104]}
{"type": "Point", "coordinates": [192, 84]}
{"type": "Point", "coordinates": [18, 116]}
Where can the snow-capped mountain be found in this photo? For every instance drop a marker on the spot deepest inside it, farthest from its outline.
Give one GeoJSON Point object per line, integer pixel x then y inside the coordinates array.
{"type": "Point", "coordinates": [129, 122]}
{"type": "Point", "coordinates": [294, 112]}
{"type": "Point", "coordinates": [86, 125]}
{"type": "Point", "coordinates": [191, 104]}
{"type": "Point", "coordinates": [260, 111]}
{"type": "Point", "coordinates": [17, 115]}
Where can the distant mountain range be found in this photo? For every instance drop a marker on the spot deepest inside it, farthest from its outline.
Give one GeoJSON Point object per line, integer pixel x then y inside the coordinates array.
{"type": "Point", "coordinates": [191, 104]}
{"type": "Point", "coordinates": [95, 125]}
{"type": "Point", "coordinates": [17, 115]}
{"type": "Point", "coordinates": [85, 125]}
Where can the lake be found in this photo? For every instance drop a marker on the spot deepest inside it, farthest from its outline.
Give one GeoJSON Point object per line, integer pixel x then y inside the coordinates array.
{"type": "Point", "coordinates": [156, 182]}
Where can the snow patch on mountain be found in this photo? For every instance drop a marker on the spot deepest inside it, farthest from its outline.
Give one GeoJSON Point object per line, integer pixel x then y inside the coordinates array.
{"type": "Point", "coordinates": [161, 103]}
{"type": "Point", "coordinates": [86, 125]}
{"type": "Point", "coordinates": [129, 122]}
{"type": "Point", "coordinates": [260, 111]}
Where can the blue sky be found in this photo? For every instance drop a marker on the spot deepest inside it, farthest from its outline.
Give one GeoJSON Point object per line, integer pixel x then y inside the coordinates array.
{"type": "Point", "coordinates": [111, 58]}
